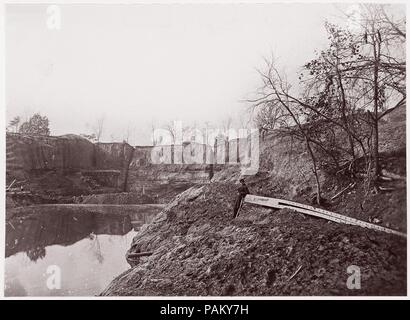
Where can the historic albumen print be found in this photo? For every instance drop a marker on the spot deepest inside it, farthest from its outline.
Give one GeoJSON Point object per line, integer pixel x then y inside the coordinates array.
{"type": "Point", "coordinates": [205, 149]}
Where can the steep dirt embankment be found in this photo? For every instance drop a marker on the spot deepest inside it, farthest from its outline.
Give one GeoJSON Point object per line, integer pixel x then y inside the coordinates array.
{"type": "Point", "coordinates": [25, 153]}
{"type": "Point", "coordinates": [64, 165]}
{"type": "Point", "coordinates": [198, 249]}
{"type": "Point", "coordinates": [54, 169]}
{"type": "Point", "coordinates": [174, 165]}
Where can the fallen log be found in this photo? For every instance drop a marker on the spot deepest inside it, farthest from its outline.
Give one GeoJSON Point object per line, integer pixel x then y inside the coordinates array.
{"type": "Point", "coordinates": [387, 188]}
{"type": "Point", "coordinates": [341, 192]}
{"type": "Point", "coordinates": [11, 184]}
{"type": "Point", "coordinates": [295, 273]}
{"type": "Point", "coordinates": [139, 254]}
{"type": "Point", "coordinates": [391, 175]}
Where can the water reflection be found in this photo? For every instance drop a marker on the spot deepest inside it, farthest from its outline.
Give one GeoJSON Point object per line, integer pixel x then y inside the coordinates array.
{"type": "Point", "coordinates": [33, 233]}
{"type": "Point", "coordinates": [88, 247]}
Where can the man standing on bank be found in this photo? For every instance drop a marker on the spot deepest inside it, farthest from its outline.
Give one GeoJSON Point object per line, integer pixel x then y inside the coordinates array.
{"type": "Point", "coordinates": [242, 192]}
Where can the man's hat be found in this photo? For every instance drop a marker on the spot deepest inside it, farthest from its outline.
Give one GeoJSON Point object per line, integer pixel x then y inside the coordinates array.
{"type": "Point", "coordinates": [241, 180]}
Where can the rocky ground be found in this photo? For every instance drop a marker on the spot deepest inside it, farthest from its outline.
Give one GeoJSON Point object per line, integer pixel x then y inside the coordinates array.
{"type": "Point", "coordinates": [195, 247]}
{"type": "Point", "coordinates": [198, 249]}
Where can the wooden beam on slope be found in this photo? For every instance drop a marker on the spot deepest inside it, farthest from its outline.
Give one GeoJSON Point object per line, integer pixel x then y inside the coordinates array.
{"type": "Point", "coordinates": [316, 212]}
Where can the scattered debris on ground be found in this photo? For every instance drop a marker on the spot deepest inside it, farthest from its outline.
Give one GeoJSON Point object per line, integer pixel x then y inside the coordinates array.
{"type": "Point", "coordinates": [198, 249]}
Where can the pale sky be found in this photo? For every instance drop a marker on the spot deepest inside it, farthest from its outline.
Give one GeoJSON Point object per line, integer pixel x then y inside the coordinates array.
{"type": "Point", "coordinates": [136, 64]}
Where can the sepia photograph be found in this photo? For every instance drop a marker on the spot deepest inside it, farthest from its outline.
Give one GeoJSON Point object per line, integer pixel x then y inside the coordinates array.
{"type": "Point", "coordinates": [213, 149]}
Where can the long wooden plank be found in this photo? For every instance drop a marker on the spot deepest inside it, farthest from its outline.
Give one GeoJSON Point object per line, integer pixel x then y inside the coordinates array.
{"type": "Point", "coordinates": [317, 212]}
{"type": "Point", "coordinates": [11, 184]}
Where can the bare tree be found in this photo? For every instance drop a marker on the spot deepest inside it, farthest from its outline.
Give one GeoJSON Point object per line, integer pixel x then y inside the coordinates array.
{"type": "Point", "coordinates": [128, 133]}
{"type": "Point", "coordinates": [346, 90]}
{"type": "Point", "coordinates": [380, 69]}
{"type": "Point", "coordinates": [275, 93]}
{"type": "Point", "coordinates": [98, 127]}
{"type": "Point", "coordinates": [14, 123]}
{"type": "Point", "coordinates": [171, 128]}
{"type": "Point", "coordinates": [268, 118]}
{"type": "Point", "coordinates": [153, 127]}
{"type": "Point", "coordinates": [226, 125]}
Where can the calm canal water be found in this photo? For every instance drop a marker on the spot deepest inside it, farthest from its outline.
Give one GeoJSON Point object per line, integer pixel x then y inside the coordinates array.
{"type": "Point", "coordinates": [87, 249]}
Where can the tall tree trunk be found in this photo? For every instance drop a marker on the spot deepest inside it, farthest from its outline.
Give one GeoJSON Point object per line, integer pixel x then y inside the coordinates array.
{"type": "Point", "coordinates": [375, 146]}
{"type": "Point", "coordinates": [312, 156]}
{"type": "Point", "coordinates": [308, 146]}
{"type": "Point", "coordinates": [344, 117]}
{"type": "Point", "coordinates": [376, 149]}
